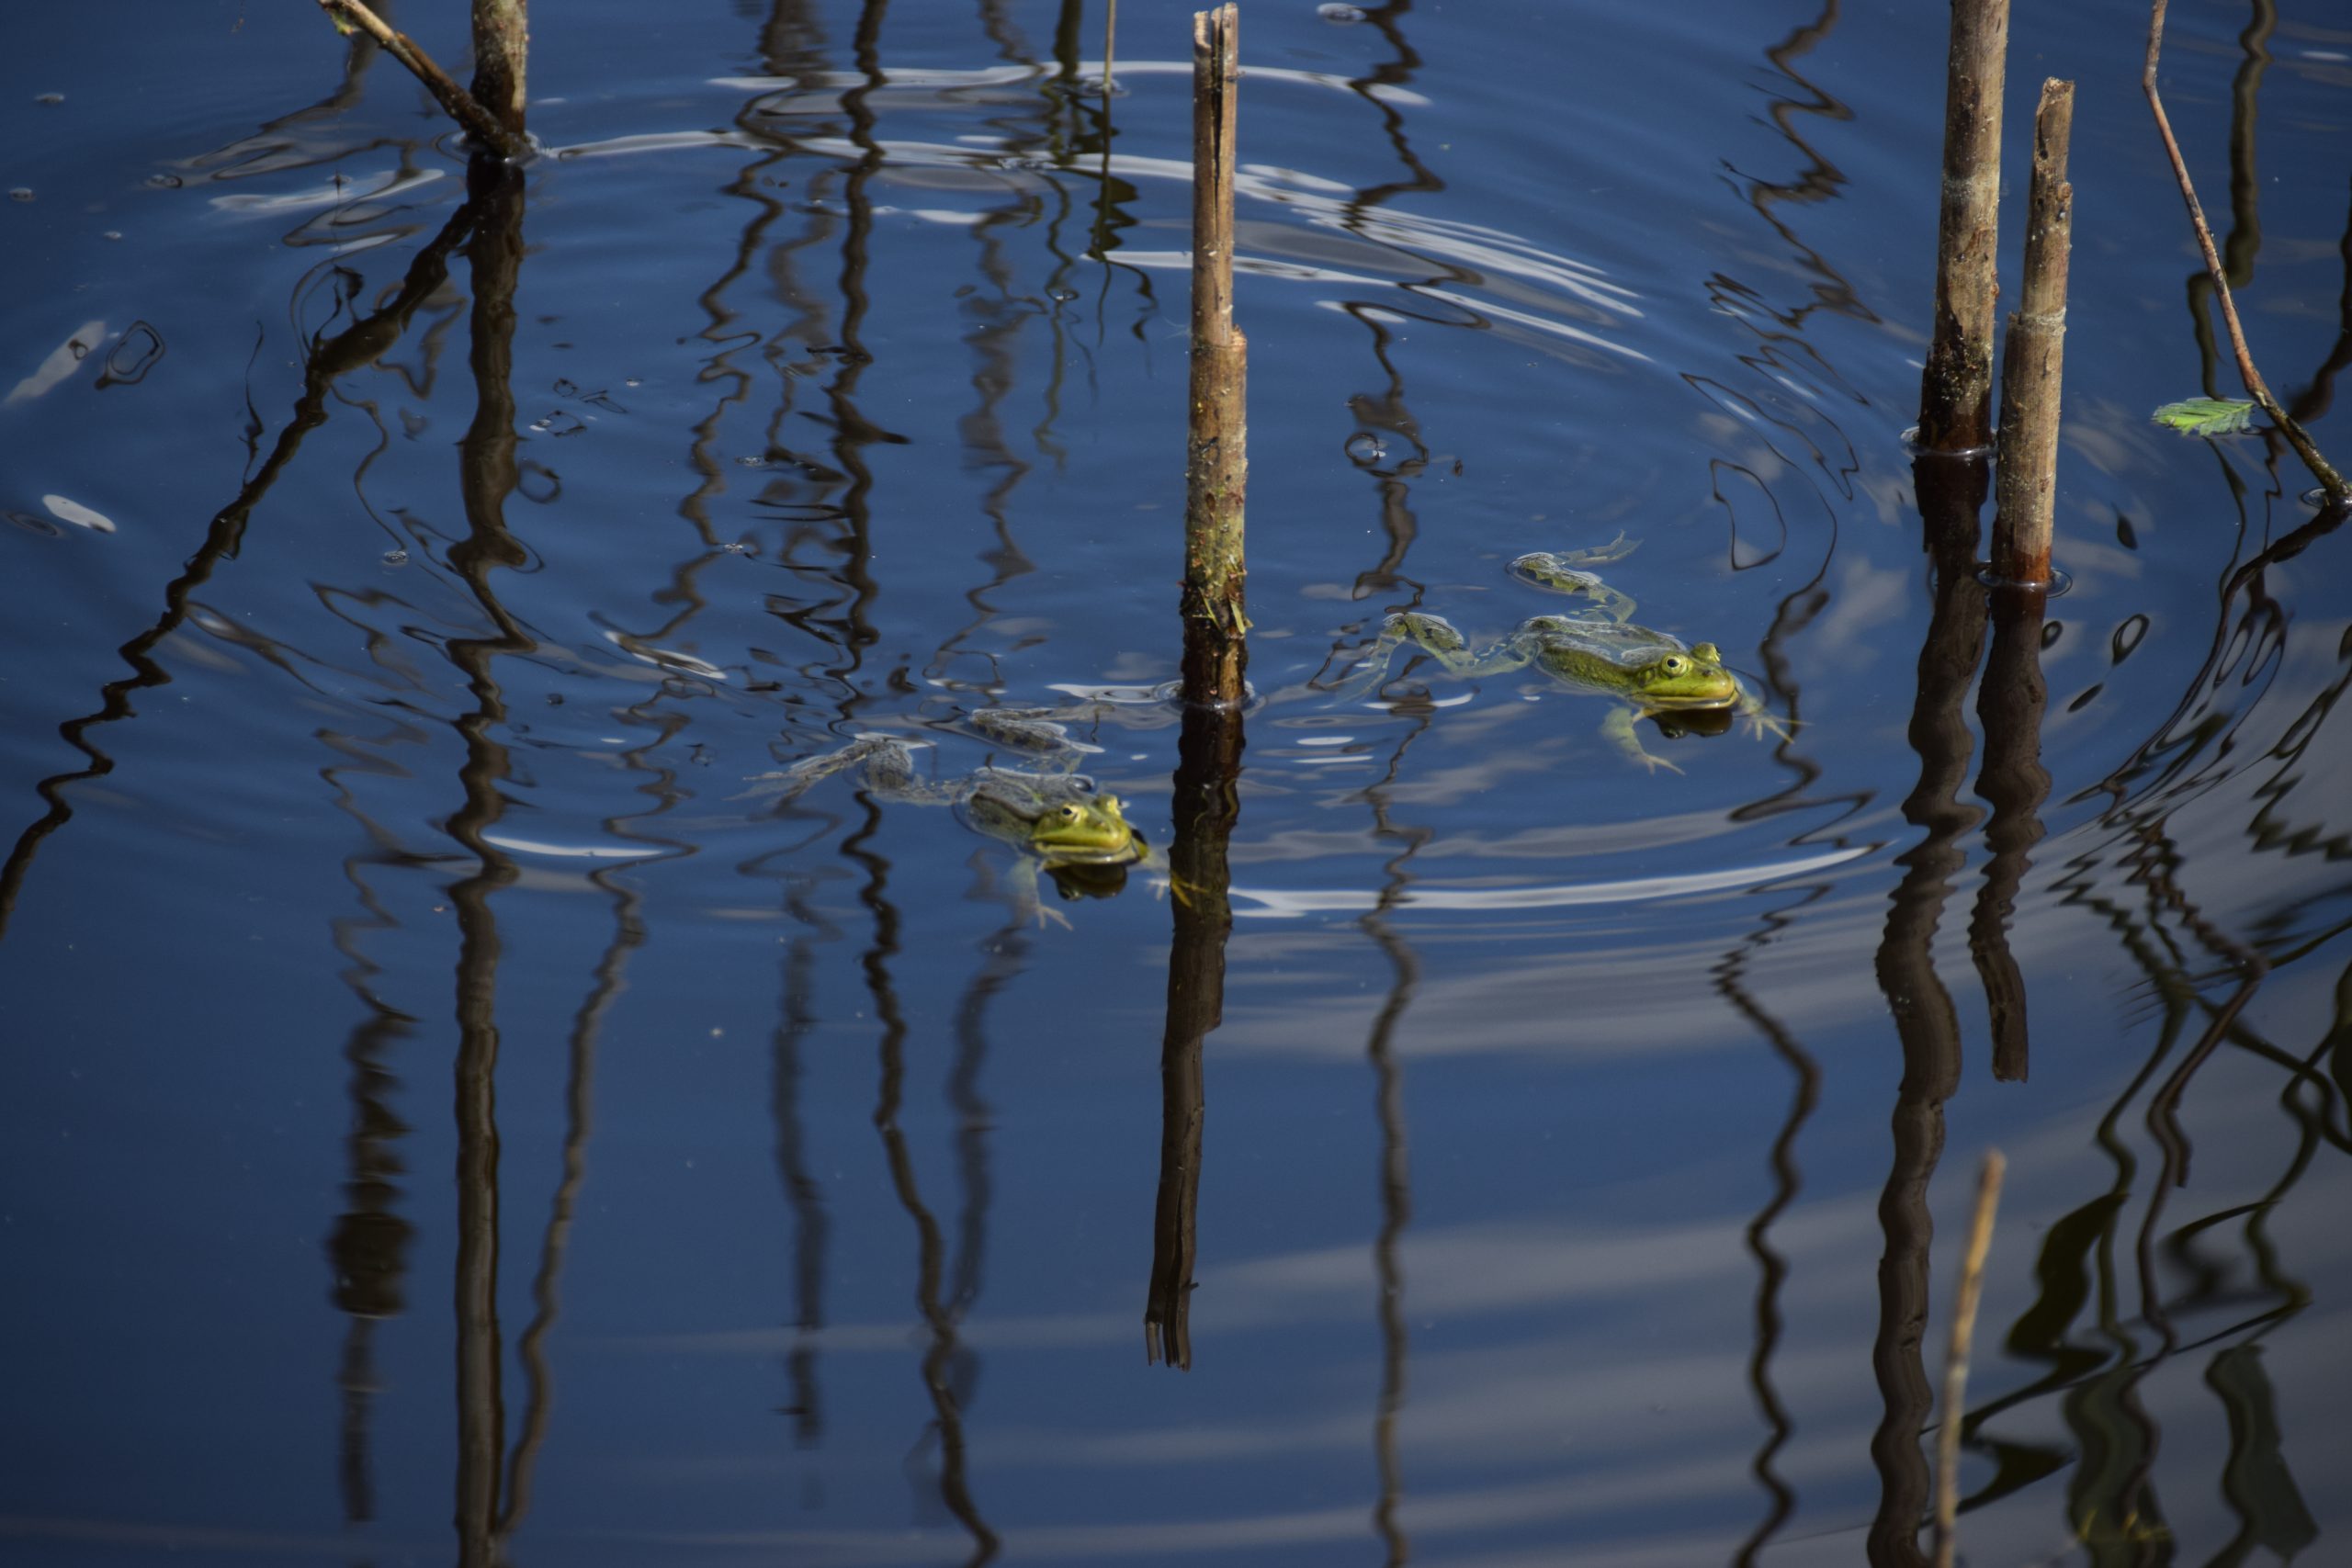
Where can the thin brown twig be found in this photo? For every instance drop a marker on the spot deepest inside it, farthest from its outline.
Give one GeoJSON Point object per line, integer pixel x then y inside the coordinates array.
{"type": "Point", "coordinates": [462, 106]}
{"type": "Point", "coordinates": [1963, 1334]}
{"type": "Point", "coordinates": [2338, 491]}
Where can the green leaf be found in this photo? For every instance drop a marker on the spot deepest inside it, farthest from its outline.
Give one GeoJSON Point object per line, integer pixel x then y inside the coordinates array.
{"type": "Point", "coordinates": [2207, 416]}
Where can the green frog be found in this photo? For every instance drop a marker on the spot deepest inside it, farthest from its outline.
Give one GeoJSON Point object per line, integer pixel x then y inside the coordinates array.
{"type": "Point", "coordinates": [1050, 812]}
{"type": "Point", "coordinates": [1685, 688]}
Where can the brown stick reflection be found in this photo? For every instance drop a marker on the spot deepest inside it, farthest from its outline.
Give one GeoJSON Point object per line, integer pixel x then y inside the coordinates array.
{"type": "Point", "coordinates": [1396, 1178]}
{"type": "Point", "coordinates": [486, 477]}
{"type": "Point", "coordinates": [2014, 783]}
{"type": "Point", "coordinates": [1731, 983]}
{"type": "Point", "coordinates": [1208, 769]}
{"type": "Point", "coordinates": [369, 1246]}
{"type": "Point", "coordinates": [945, 1367]}
{"type": "Point", "coordinates": [329, 359]}
{"type": "Point", "coordinates": [580, 1077]}
{"type": "Point", "coordinates": [812, 1226]}
{"type": "Point", "coordinates": [1951, 490]}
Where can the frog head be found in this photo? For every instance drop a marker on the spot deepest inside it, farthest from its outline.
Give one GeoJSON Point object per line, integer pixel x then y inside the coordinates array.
{"type": "Point", "coordinates": [1695, 678]}
{"type": "Point", "coordinates": [1092, 827]}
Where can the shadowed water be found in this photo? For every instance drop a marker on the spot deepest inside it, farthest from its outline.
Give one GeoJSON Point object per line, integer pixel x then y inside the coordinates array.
{"type": "Point", "coordinates": [459, 1105]}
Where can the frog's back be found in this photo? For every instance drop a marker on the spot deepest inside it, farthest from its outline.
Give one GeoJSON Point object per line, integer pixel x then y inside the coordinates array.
{"type": "Point", "coordinates": [1626, 645]}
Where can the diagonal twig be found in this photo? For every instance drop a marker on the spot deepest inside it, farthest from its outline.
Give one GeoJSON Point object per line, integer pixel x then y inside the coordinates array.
{"type": "Point", "coordinates": [462, 106]}
{"type": "Point", "coordinates": [2338, 492]}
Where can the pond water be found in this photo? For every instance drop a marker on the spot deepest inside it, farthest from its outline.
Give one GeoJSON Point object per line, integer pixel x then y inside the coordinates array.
{"type": "Point", "coordinates": [455, 1107]}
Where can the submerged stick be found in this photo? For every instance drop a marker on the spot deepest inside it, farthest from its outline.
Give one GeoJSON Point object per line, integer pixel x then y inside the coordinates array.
{"type": "Point", "coordinates": [1956, 389]}
{"type": "Point", "coordinates": [1964, 1333]}
{"type": "Point", "coordinates": [2338, 491]}
{"type": "Point", "coordinates": [1218, 464]}
{"type": "Point", "coordinates": [2026, 484]}
{"type": "Point", "coordinates": [460, 105]}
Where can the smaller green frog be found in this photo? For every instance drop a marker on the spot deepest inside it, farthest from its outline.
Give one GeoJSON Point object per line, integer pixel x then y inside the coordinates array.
{"type": "Point", "coordinates": [1053, 815]}
{"type": "Point", "coordinates": [1684, 687]}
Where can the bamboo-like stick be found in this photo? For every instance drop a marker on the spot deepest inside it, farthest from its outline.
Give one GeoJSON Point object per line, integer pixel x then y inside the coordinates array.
{"type": "Point", "coordinates": [1964, 1332]}
{"type": "Point", "coordinates": [2026, 482]}
{"type": "Point", "coordinates": [1217, 464]}
{"type": "Point", "coordinates": [460, 105]}
{"type": "Point", "coordinates": [1956, 389]}
{"type": "Point", "coordinates": [2338, 491]}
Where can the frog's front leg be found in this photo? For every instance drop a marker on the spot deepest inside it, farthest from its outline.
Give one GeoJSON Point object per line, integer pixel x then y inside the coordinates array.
{"type": "Point", "coordinates": [1021, 882]}
{"type": "Point", "coordinates": [1761, 723]}
{"type": "Point", "coordinates": [1618, 727]}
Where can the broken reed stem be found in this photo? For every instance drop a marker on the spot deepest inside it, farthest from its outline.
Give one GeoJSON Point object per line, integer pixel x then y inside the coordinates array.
{"type": "Point", "coordinates": [1956, 387]}
{"type": "Point", "coordinates": [2338, 492]}
{"type": "Point", "coordinates": [2031, 369]}
{"type": "Point", "coordinates": [1964, 1333]}
{"type": "Point", "coordinates": [460, 105]}
{"type": "Point", "coordinates": [501, 45]}
{"type": "Point", "coordinates": [1218, 463]}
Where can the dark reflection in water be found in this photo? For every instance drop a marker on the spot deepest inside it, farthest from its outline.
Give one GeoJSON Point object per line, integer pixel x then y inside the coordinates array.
{"type": "Point", "coordinates": [327, 360]}
{"type": "Point", "coordinates": [1396, 1165]}
{"type": "Point", "coordinates": [1730, 978]}
{"type": "Point", "coordinates": [1206, 807]}
{"type": "Point", "coordinates": [369, 1249]}
{"type": "Point", "coordinates": [949, 1372]}
{"type": "Point", "coordinates": [486, 461]}
{"type": "Point", "coordinates": [2012, 781]}
{"type": "Point", "coordinates": [2157, 1301]}
{"type": "Point", "coordinates": [804, 1195]}
{"type": "Point", "coordinates": [578, 1100]}
{"type": "Point", "coordinates": [1949, 490]}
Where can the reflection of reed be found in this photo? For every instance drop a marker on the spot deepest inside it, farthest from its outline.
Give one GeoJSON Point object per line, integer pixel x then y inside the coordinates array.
{"type": "Point", "coordinates": [1949, 490]}
{"type": "Point", "coordinates": [369, 1246]}
{"type": "Point", "coordinates": [946, 1369]}
{"type": "Point", "coordinates": [1820, 181]}
{"type": "Point", "coordinates": [1731, 984]}
{"type": "Point", "coordinates": [486, 477]}
{"type": "Point", "coordinates": [1396, 1182]}
{"type": "Point", "coordinates": [325, 361]}
{"type": "Point", "coordinates": [802, 1192]}
{"type": "Point", "coordinates": [587, 1025]}
{"type": "Point", "coordinates": [2013, 782]}
{"type": "Point", "coordinates": [2243, 242]}
{"type": "Point", "coordinates": [1206, 805]}
{"type": "Point", "coordinates": [2309, 403]}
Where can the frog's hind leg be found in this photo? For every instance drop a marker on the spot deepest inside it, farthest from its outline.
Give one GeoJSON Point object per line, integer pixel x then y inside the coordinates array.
{"type": "Point", "coordinates": [790, 783]}
{"type": "Point", "coordinates": [1564, 571]}
{"type": "Point", "coordinates": [1432, 634]}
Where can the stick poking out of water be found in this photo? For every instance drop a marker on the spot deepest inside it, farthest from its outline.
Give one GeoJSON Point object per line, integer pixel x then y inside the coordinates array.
{"type": "Point", "coordinates": [2026, 484]}
{"type": "Point", "coordinates": [1963, 1334]}
{"type": "Point", "coordinates": [1956, 389]}
{"type": "Point", "coordinates": [1216, 468]}
{"type": "Point", "coordinates": [460, 105]}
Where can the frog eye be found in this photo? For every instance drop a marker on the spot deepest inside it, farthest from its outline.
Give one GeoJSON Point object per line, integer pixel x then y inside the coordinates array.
{"type": "Point", "coordinates": [1069, 812]}
{"type": "Point", "coordinates": [1675, 664]}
